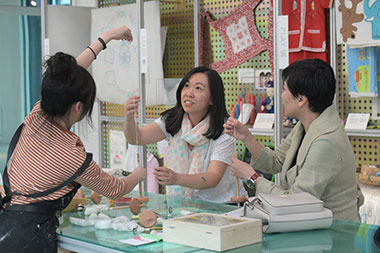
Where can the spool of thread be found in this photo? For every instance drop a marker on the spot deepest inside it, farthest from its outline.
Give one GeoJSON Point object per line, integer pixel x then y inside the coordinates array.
{"type": "Point", "coordinates": [237, 111]}
{"type": "Point", "coordinates": [232, 113]}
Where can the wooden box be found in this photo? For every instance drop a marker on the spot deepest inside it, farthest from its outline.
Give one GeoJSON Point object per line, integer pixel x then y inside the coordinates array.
{"type": "Point", "coordinates": [212, 231]}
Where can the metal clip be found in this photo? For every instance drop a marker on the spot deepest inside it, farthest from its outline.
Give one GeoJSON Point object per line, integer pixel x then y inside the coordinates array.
{"type": "Point", "coordinates": [251, 204]}
{"type": "Point", "coordinates": [258, 201]}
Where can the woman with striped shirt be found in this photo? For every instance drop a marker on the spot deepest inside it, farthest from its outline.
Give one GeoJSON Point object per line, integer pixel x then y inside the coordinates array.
{"type": "Point", "coordinates": [47, 163]}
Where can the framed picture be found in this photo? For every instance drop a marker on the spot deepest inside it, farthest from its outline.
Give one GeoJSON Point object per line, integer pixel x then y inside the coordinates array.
{"type": "Point", "coordinates": [262, 77]}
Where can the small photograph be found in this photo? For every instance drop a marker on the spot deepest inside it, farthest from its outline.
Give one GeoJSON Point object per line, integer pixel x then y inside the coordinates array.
{"type": "Point", "coordinates": [262, 77]}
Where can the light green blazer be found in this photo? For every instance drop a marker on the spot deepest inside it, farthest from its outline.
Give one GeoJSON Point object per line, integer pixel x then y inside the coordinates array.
{"type": "Point", "coordinates": [325, 166]}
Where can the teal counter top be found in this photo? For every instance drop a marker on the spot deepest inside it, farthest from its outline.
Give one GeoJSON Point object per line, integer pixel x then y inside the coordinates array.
{"type": "Point", "coordinates": [343, 236]}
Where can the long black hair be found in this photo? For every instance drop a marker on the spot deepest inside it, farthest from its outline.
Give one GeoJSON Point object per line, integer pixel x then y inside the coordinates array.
{"type": "Point", "coordinates": [217, 110]}
{"type": "Point", "coordinates": [65, 83]}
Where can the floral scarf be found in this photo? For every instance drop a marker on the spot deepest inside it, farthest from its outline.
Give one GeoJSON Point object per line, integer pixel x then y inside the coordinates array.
{"type": "Point", "coordinates": [182, 159]}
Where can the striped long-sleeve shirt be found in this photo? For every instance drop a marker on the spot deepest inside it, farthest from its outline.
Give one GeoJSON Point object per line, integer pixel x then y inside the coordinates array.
{"type": "Point", "coordinates": [46, 155]}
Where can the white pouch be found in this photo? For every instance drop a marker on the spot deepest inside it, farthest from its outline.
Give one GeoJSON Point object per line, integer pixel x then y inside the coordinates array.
{"type": "Point", "coordinates": [285, 213]}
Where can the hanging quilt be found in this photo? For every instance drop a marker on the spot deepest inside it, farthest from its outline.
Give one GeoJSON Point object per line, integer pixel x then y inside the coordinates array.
{"type": "Point", "coordinates": [241, 39]}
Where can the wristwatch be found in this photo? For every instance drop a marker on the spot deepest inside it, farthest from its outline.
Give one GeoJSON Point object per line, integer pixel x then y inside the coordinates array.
{"type": "Point", "coordinates": [251, 182]}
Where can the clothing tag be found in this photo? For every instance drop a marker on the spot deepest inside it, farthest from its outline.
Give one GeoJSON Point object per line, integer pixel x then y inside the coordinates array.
{"type": "Point", "coordinates": [246, 75]}
{"type": "Point", "coordinates": [264, 121]}
{"type": "Point", "coordinates": [357, 121]}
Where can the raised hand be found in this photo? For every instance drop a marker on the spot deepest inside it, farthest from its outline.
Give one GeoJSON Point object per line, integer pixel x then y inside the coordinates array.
{"type": "Point", "coordinates": [236, 129]}
{"type": "Point", "coordinates": [131, 106]}
{"type": "Point", "coordinates": [241, 169]}
{"type": "Point", "coordinates": [119, 33]}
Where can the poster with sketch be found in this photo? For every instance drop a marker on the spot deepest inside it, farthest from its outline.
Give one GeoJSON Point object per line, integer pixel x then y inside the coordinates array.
{"type": "Point", "coordinates": [358, 22]}
{"type": "Point", "coordinates": [116, 69]}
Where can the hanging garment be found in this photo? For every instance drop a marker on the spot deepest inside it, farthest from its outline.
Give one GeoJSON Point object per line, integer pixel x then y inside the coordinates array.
{"type": "Point", "coordinates": [241, 39]}
{"type": "Point", "coordinates": [307, 28]}
{"type": "Point", "coordinates": [152, 163]}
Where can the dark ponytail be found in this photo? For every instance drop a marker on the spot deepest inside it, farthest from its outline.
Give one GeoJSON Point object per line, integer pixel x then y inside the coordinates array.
{"type": "Point", "coordinates": [65, 83]}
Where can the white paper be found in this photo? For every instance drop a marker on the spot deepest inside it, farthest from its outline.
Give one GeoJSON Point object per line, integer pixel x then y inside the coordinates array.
{"type": "Point", "coordinates": [283, 45]}
{"type": "Point", "coordinates": [357, 121]}
{"type": "Point", "coordinates": [170, 86]}
{"type": "Point", "coordinates": [137, 241]}
{"type": "Point", "coordinates": [118, 149]}
{"type": "Point", "coordinates": [116, 69]}
{"type": "Point", "coordinates": [264, 121]}
{"type": "Point", "coordinates": [131, 158]}
{"type": "Point", "coordinates": [246, 75]}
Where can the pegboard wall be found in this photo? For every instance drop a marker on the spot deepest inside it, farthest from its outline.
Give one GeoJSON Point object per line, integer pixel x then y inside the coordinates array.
{"type": "Point", "coordinates": [365, 148]}
{"type": "Point", "coordinates": [232, 86]}
{"type": "Point", "coordinates": [179, 58]}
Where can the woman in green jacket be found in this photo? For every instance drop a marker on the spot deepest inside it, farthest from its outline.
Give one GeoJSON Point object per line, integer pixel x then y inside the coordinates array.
{"type": "Point", "coordinates": [316, 156]}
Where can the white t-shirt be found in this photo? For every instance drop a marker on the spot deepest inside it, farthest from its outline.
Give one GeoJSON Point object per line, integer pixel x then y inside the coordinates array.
{"type": "Point", "coordinates": [221, 149]}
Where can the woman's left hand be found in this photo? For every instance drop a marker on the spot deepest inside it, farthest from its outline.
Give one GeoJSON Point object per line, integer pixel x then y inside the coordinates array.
{"type": "Point", "coordinates": [241, 169]}
{"type": "Point", "coordinates": [119, 33]}
{"type": "Point", "coordinates": [165, 176]}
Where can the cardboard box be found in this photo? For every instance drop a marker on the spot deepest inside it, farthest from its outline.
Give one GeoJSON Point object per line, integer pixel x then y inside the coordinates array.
{"type": "Point", "coordinates": [212, 231]}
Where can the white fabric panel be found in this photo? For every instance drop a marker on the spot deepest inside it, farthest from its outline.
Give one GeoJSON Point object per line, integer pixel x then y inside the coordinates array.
{"type": "Point", "coordinates": [116, 69]}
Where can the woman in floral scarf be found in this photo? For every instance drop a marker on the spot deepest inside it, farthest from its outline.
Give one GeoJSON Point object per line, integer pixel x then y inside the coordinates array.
{"type": "Point", "coordinates": [199, 153]}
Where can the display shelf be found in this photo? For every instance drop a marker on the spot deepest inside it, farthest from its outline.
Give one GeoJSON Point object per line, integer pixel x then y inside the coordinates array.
{"type": "Point", "coordinates": [269, 132]}
{"type": "Point", "coordinates": [357, 133]}
{"type": "Point", "coordinates": [364, 133]}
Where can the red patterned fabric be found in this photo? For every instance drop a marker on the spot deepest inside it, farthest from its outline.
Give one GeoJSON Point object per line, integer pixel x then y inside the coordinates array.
{"type": "Point", "coordinates": [270, 20]}
{"type": "Point", "coordinates": [307, 28]}
{"type": "Point", "coordinates": [242, 41]}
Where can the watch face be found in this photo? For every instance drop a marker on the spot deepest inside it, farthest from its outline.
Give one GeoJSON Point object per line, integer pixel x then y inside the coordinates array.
{"type": "Point", "coordinates": [250, 183]}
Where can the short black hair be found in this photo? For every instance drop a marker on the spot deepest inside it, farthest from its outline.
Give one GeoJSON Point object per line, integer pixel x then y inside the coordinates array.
{"type": "Point", "coordinates": [217, 111]}
{"type": "Point", "coordinates": [314, 79]}
{"type": "Point", "coordinates": [65, 83]}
